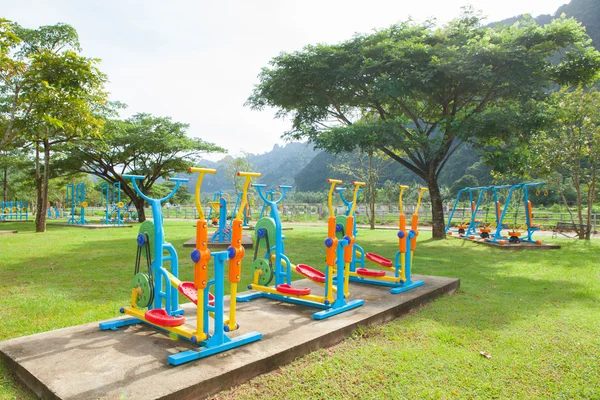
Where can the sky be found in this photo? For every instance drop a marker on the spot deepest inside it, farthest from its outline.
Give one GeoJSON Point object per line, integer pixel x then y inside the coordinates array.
{"type": "Point", "coordinates": [198, 61]}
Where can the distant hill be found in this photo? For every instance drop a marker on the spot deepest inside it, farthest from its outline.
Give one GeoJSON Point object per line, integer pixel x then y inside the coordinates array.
{"type": "Point", "coordinates": [278, 167]}
{"type": "Point", "coordinates": [585, 11]}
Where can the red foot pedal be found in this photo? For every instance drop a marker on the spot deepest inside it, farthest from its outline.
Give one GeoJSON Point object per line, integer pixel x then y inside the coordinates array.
{"type": "Point", "coordinates": [378, 259]}
{"type": "Point", "coordinates": [189, 290]}
{"type": "Point", "coordinates": [310, 273]}
{"type": "Point", "coordinates": [369, 272]}
{"type": "Point", "coordinates": [160, 317]}
{"type": "Point", "coordinates": [287, 289]}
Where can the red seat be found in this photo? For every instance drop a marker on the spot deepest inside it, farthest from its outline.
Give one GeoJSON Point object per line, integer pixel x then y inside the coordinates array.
{"type": "Point", "coordinates": [188, 289]}
{"type": "Point", "coordinates": [369, 272]}
{"type": "Point", "coordinates": [379, 260]}
{"type": "Point", "coordinates": [287, 289]}
{"type": "Point", "coordinates": [160, 317]}
{"type": "Point", "coordinates": [310, 273]}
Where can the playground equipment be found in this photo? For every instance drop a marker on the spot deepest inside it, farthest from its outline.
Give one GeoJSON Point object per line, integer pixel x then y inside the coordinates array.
{"type": "Point", "coordinates": [218, 215]}
{"type": "Point", "coordinates": [130, 213]}
{"type": "Point", "coordinates": [401, 268]}
{"type": "Point", "coordinates": [276, 264]}
{"type": "Point", "coordinates": [270, 195]}
{"type": "Point", "coordinates": [54, 211]}
{"type": "Point", "coordinates": [246, 212]}
{"type": "Point", "coordinates": [110, 196]}
{"type": "Point", "coordinates": [462, 226]}
{"type": "Point", "coordinates": [75, 197]}
{"type": "Point", "coordinates": [515, 233]}
{"type": "Point", "coordinates": [158, 289]}
{"type": "Point", "coordinates": [14, 211]}
{"type": "Point", "coordinates": [475, 224]}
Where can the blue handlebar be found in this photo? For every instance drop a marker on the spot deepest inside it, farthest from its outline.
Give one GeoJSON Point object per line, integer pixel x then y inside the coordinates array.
{"type": "Point", "coordinates": [178, 179]}
{"type": "Point", "coordinates": [135, 178]}
{"type": "Point", "coordinates": [259, 186]}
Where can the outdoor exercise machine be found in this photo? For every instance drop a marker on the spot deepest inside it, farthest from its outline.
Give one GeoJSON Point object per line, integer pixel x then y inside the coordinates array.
{"type": "Point", "coordinates": [401, 267]}
{"type": "Point", "coordinates": [246, 212]}
{"type": "Point", "coordinates": [158, 289]}
{"type": "Point", "coordinates": [478, 225]}
{"type": "Point", "coordinates": [219, 206]}
{"type": "Point", "coordinates": [110, 196]}
{"type": "Point", "coordinates": [515, 233]}
{"type": "Point", "coordinates": [75, 197]}
{"type": "Point", "coordinates": [275, 264]}
{"type": "Point", "coordinates": [270, 195]}
{"type": "Point", "coordinates": [462, 226]}
{"type": "Point", "coordinates": [14, 211]}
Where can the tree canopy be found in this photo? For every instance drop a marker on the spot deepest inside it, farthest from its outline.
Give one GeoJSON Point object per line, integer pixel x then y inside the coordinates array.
{"type": "Point", "coordinates": [155, 147]}
{"type": "Point", "coordinates": [417, 92]}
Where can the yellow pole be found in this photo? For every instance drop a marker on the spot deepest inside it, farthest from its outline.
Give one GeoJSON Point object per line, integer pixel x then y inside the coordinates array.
{"type": "Point", "coordinates": [201, 267]}
{"type": "Point", "coordinates": [415, 225]}
{"type": "Point", "coordinates": [402, 227]}
{"type": "Point", "coordinates": [235, 264]}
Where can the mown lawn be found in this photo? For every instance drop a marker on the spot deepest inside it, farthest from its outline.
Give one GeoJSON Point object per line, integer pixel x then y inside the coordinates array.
{"type": "Point", "coordinates": [535, 312]}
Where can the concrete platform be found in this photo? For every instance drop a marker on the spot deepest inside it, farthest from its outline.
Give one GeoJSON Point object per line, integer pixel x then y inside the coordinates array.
{"type": "Point", "coordinates": [92, 226]}
{"type": "Point", "coordinates": [246, 242]}
{"type": "Point", "coordinates": [7, 232]}
{"type": "Point", "coordinates": [83, 362]}
{"type": "Point", "coordinates": [512, 246]}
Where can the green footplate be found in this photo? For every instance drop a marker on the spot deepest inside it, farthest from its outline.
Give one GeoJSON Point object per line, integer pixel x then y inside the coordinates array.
{"type": "Point", "coordinates": [147, 227]}
{"type": "Point", "coordinates": [267, 272]}
{"type": "Point", "coordinates": [146, 295]}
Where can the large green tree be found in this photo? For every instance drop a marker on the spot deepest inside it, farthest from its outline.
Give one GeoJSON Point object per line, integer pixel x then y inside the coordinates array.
{"type": "Point", "coordinates": [155, 147]}
{"type": "Point", "coordinates": [417, 92]}
{"type": "Point", "coordinates": [51, 95]}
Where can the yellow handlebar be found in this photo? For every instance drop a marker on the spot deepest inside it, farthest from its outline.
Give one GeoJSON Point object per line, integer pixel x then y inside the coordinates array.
{"type": "Point", "coordinates": [422, 190]}
{"type": "Point", "coordinates": [248, 176]}
{"type": "Point", "coordinates": [402, 189]}
{"type": "Point", "coordinates": [201, 171]}
{"type": "Point", "coordinates": [205, 170]}
{"type": "Point", "coordinates": [330, 197]}
{"type": "Point", "coordinates": [357, 186]}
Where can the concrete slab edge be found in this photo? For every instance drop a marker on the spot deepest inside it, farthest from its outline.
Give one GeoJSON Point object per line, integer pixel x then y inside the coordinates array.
{"type": "Point", "coordinates": [262, 366]}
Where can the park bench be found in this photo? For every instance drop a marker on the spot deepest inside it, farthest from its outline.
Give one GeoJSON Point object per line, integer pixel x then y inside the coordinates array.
{"type": "Point", "coordinates": [562, 227]}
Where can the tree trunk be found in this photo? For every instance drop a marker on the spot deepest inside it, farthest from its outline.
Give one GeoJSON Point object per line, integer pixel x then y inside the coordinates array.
{"type": "Point", "coordinates": [372, 190]}
{"type": "Point", "coordinates": [437, 209]}
{"type": "Point", "coordinates": [5, 189]}
{"type": "Point", "coordinates": [42, 203]}
{"type": "Point", "coordinates": [580, 229]}
{"type": "Point", "coordinates": [139, 206]}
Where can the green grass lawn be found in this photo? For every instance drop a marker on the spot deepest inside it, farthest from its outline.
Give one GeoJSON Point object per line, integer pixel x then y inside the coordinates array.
{"type": "Point", "coordinates": [535, 312]}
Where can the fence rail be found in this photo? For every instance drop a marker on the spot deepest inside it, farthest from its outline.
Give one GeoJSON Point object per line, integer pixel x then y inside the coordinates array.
{"type": "Point", "coordinates": [384, 214]}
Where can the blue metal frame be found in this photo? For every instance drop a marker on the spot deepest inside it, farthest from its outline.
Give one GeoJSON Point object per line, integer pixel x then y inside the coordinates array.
{"type": "Point", "coordinates": [110, 194]}
{"type": "Point", "coordinates": [77, 197]}
{"type": "Point", "coordinates": [473, 223]}
{"type": "Point", "coordinates": [283, 275]}
{"type": "Point", "coordinates": [461, 191]}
